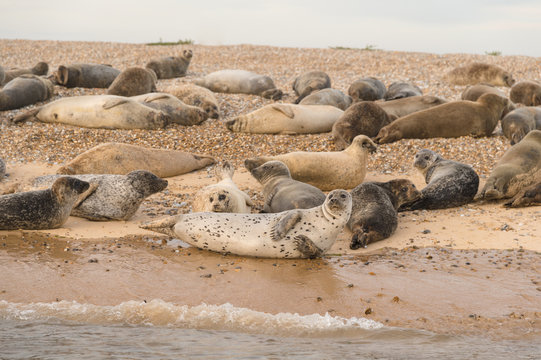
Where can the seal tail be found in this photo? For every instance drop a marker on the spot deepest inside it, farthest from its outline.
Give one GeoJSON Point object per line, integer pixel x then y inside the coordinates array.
{"type": "Point", "coordinates": [164, 226]}
{"type": "Point", "coordinates": [27, 115]}
{"type": "Point", "coordinates": [225, 171]}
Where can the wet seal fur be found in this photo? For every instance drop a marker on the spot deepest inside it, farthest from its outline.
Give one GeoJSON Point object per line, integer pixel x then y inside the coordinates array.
{"type": "Point", "coordinates": [178, 111]}
{"type": "Point", "coordinates": [473, 92]}
{"type": "Point", "coordinates": [528, 197]}
{"type": "Point", "coordinates": [86, 75]}
{"type": "Point", "coordinates": [521, 121]}
{"type": "Point", "coordinates": [308, 82]}
{"type": "Point", "coordinates": [199, 96]}
{"type": "Point", "coordinates": [40, 69]}
{"type": "Point", "coordinates": [41, 209]}
{"type": "Point", "coordinates": [133, 81]}
{"type": "Point", "coordinates": [281, 192]}
{"type": "Point", "coordinates": [367, 89]}
{"type": "Point", "coordinates": [328, 96]}
{"type": "Point", "coordinates": [408, 105]}
{"type": "Point", "coordinates": [240, 82]}
{"type": "Point", "coordinates": [400, 90]}
{"type": "Point", "coordinates": [374, 215]}
{"type": "Point", "coordinates": [224, 196]}
{"type": "Point", "coordinates": [476, 73]}
{"type": "Point", "coordinates": [25, 90]}
{"type": "Point", "coordinates": [299, 233]}
{"type": "Point", "coordinates": [171, 66]}
{"type": "Point", "coordinates": [526, 92]}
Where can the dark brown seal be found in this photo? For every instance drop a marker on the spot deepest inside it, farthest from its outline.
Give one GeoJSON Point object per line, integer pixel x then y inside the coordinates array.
{"type": "Point", "coordinates": [133, 81]}
{"type": "Point", "coordinates": [171, 66]}
{"type": "Point", "coordinates": [527, 93]}
{"type": "Point", "coordinates": [473, 92]}
{"type": "Point", "coordinates": [527, 197]}
{"type": "Point", "coordinates": [520, 122]}
{"type": "Point", "coordinates": [25, 90]}
{"type": "Point", "coordinates": [86, 75]}
{"type": "Point", "coordinates": [367, 89]}
{"type": "Point", "coordinates": [399, 90]}
{"type": "Point", "coordinates": [475, 73]}
{"type": "Point", "coordinates": [310, 81]}
{"type": "Point", "coordinates": [39, 69]}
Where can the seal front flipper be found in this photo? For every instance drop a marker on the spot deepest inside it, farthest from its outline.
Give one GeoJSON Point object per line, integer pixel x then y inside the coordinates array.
{"type": "Point", "coordinates": [307, 247]}
{"type": "Point", "coordinates": [284, 224]}
{"type": "Point", "coordinates": [114, 102]}
{"type": "Point", "coordinates": [284, 109]}
{"type": "Point", "coordinates": [155, 97]}
{"type": "Point", "coordinates": [164, 226]}
{"type": "Point", "coordinates": [82, 197]}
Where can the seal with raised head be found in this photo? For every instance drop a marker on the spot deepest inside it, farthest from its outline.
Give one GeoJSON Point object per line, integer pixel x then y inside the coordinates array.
{"type": "Point", "coordinates": [374, 215]}
{"type": "Point", "coordinates": [308, 82]}
{"type": "Point", "coordinates": [328, 96]}
{"type": "Point", "coordinates": [473, 92]}
{"type": "Point", "coordinates": [521, 121]}
{"type": "Point", "coordinates": [408, 105]}
{"type": "Point", "coordinates": [528, 197]}
{"type": "Point", "coordinates": [178, 111]}
{"type": "Point", "coordinates": [526, 92]}
{"type": "Point", "coordinates": [41, 209]}
{"type": "Point", "coordinates": [121, 159]}
{"type": "Point", "coordinates": [477, 72]}
{"type": "Point", "coordinates": [133, 81]}
{"type": "Point", "coordinates": [367, 89]}
{"type": "Point", "coordinates": [41, 68]}
{"type": "Point", "coordinates": [224, 196]}
{"type": "Point", "coordinates": [195, 95]}
{"type": "Point", "coordinates": [453, 119]}
{"type": "Point", "coordinates": [86, 75]}
{"type": "Point", "coordinates": [449, 183]}
{"type": "Point", "coordinates": [171, 66]}
{"type": "Point", "coordinates": [299, 233]}
{"type": "Point", "coordinates": [325, 170]}
{"type": "Point", "coordinates": [240, 82]}
{"type": "Point", "coordinates": [281, 192]}
{"type": "Point", "coordinates": [399, 90]}
{"type": "Point", "coordinates": [25, 90]}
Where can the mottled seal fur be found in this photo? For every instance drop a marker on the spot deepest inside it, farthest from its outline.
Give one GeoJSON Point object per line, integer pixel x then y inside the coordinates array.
{"type": "Point", "coordinates": [41, 209]}
{"type": "Point", "coordinates": [86, 75]}
{"type": "Point", "coordinates": [223, 196]}
{"type": "Point", "coordinates": [399, 90]}
{"type": "Point", "coordinates": [328, 96]}
{"type": "Point", "coordinates": [526, 92]}
{"type": "Point", "coordinates": [133, 81]}
{"type": "Point", "coordinates": [521, 121]}
{"type": "Point", "coordinates": [308, 82]}
{"type": "Point", "coordinates": [240, 82]}
{"type": "Point", "coordinates": [476, 72]}
{"type": "Point", "coordinates": [25, 90]}
{"type": "Point", "coordinates": [299, 233]}
{"type": "Point", "coordinates": [367, 89]}
{"type": "Point", "coordinates": [171, 66]}
{"type": "Point", "coordinates": [374, 215]}
{"type": "Point", "coordinates": [41, 68]}
{"type": "Point", "coordinates": [527, 197]}
{"type": "Point", "coordinates": [409, 105]}
{"type": "Point", "coordinates": [195, 95]}
{"type": "Point", "coordinates": [178, 111]}
{"type": "Point", "coordinates": [281, 192]}
{"type": "Point", "coordinates": [325, 170]}
{"type": "Point", "coordinates": [473, 92]}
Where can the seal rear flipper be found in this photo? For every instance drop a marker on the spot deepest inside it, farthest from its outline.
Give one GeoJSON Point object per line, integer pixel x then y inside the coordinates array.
{"type": "Point", "coordinates": [285, 223]}
{"type": "Point", "coordinates": [307, 247]}
{"type": "Point", "coordinates": [225, 171]}
{"type": "Point", "coordinates": [111, 103]}
{"type": "Point", "coordinates": [164, 226]}
{"type": "Point", "coordinates": [26, 116]}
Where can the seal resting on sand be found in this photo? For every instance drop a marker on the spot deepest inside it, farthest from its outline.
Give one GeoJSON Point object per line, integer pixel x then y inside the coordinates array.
{"type": "Point", "coordinates": [171, 66]}
{"type": "Point", "coordinates": [527, 197]}
{"type": "Point", "coordinates": [240, 82]}
{"type": "Point", "coordinates": [477, 72]}
{"type": "Point", "coordinates": [177, 110]}
{"type": "Point", "coordinates": [86, 75]}
{"type": "Point", "coordinates": [526, 92]}
{"type": "Point", "coordinates": [133, 81]}
{"type": "Point", "coordinates": [194, 95]}
{"type": "Point", "coordinates": [521, 121]}
{"type": "Point", "coordinates": [400, 90]}
{"type": "Point", "coordinates": [39, 69]}
{"type": "Point", "coordinates": [367, 89]}
{"type": "Point", "coordinates": [25, 90]}
{"type": "Point", "coordinates": [329, 96]}
{"type": "Point", "coordinates": [310, 81]}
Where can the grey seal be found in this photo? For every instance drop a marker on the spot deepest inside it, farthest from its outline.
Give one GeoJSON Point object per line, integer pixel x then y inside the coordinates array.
{"type": "Point", "coordinates": [195, 95]}
{"type": "Point", "coordinates": [474, 92]}
{"type": "Point", "coordinates": [25, 90]}
{"type": "Point", "coordinates": [177, 110]}
{"type": "Point", "coordinates": [41, 68]}
{"type": "Point", "coordinates": [240, 82]}
{"type": "Point", "coordinates": [133, 81]}
{"type": "Point", "coordinates": [519, 122]}
{"type": "Point", "coordinates": [308, 82]}
{"type": "Point", "coordinates": [328, 96]}
{"type": "Point", "coordinates": [477, 72]}
{"type": "Point", "coordinates": [171, 66]}
{"type": "Point", "coordinates": [367, 89]}
{"type": "Point", "coordinates": [86, 75]}
{"type": "Point", "coordinates": [405, 106]}
{"type": "Point", "coordinates": [399, 90]}
{"type": "Point", "coordinates": [527, 197]}
{"type": "Point", "coordinates": [526, 92]}
{"type": "Point", "coordinates": [2, 169]}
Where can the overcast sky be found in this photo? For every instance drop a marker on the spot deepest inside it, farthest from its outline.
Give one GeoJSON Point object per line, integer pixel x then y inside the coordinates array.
{"type": "Point", "coordinates": [448, 26]}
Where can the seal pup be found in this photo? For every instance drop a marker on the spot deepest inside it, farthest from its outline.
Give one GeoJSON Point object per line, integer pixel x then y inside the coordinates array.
{"type": "Point", "coordinates": [121, 159]}
{"type": "Point", "coordinates": [281, 192]}
{"type": "Point", "coordinates": [133, 81]}
{"type": "Point", "coordinates": [527, 197]}
{"type": "Point", "coordinates": [449, 183]}
{"type": "Point", "coordinates": [178, 111]}
{"type": "Point", "coordinates": [453, 119]}
{"type": "Point", "coordinates": [473, 92]}
{"type": "Point", "coordinates": [224, 196]}
{"type": "Point", "coordinates": [328, 96]}
{"type": "Point", "coordinates": [240, 82]}
{"type": "Point", "coordinates": [519, 167]}
{"type": "Point", "coordinates": [299, 233]}
{"type": "Point", "coordinates": [308, 82]}
{"type": "Point", "coordinates": [194, 95]}
{"type": "Point", "coordinates": [86, 75]}
{"type": "Point", "coordinates": [171, 66]}
{"type": "Point", "coordinates": [399, 90]}
{"type": "Point", "coordinates": [111, 197]}
{"type": "Point", "coordinates": [374, 215]}
{"type": "Point", "coordinates": [521, 121]}
{"type": "Point", "coordinates": [405, 106]}
{"type": "Point", "coordinates": [526, 92]}
{"type": "Point", "coordinates": [41, 68]}
{"type": "Point", "coordinates": [25, 90]}
{"type": "Point", "coordinates": [477, 72]}
{"type": "Point", "coordinates": [367, 89]}
{"type": "Point", "coordinates": [326, 170]}
{"type": "Point", "coordinates": [286, 119]}
{"type": "Point", "coordinates": [41, 209]}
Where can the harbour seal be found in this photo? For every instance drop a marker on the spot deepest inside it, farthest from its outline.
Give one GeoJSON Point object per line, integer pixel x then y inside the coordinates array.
{"type": "Point", "coordinates": [399, 90]}
{"type": "Point", "coordinates": [281, 192]}
{"type": "Point", "coordinates": [171, 66]}
{"type": "Point", "coordinates": [111, 197]}
{"type": "Point", "coordinates": [240, 82]}
{"type": "Point", "coordinates": [121, 159]}
{"type": "Point", "coordinates": [99, 111]}
{"type": "Point", "coordinates": [41, 209]}
{"type": "Point", "coordinates": [299, 233]}
{"type": "Point", "coordinates": [519, 167]}
{"type": "Point", "coordinates": [86, 75]}
{"type": "Point", "coordinates": [223, 196]}
{"type": "Point", "coordinates": [286, 119]}
{"type": "Point", "coordinates": [374, 215]}
{"type": "Point", "coordinates": [133, 81]}
{"type": "Point", "coordinates": [194, 95]}
{"type": "Point", "coordinates": [25, 90]}
{"type": "Point", "coordinates": [178, 111]}
{"type": "Point", "coordinates": [527, 197]}
{"type": "Point", "coordinates": [409, 105]}
{"type": "Point", "coordinates": [325, 170]}
{"type": "Point", "coordinates": [521, 121]}
{"type": "Point", "coordinates": [41, 68]}
{"type": "Point", "coordinates": [453, 119]}
{"type": "Point", "coordinates": [308, 82]}
{"type": "Point", "coordinates": [473, 92]}
{"type": "Point", "coordinates": [367, 89]}
{"type": "Point", "coordinates": [526, 92]}
{"type": "Point", "coordinates": [476, 72]}
{"type": "Point", "coordinates": [328, 96]}
{"type": "Point", "coordinates": [449, 183]}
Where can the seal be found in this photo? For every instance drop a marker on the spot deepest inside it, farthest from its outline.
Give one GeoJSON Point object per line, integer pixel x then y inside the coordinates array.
{"type": "Point", "coordinates": [325, 170]}
{"type": "Point", "coordinates": [171, 66]}
{"type": "Point", "coordinates": [449, 183]}
{"type": "Point", "coordinates": [299, 233]}
{"type": "Point", "coordinates": [528, 197]}
{"type": "Point", "coordinates": [473, 92]}
{"type": "Point", "coordinates": [286, 119]}
{"type": "Point", "coordinates": [2, 75]}
{"type": "Point", "coordinates": [133, 81]}
{"type": "Point", "coordinates": [86, 75]}
{"type": "Point", "coordinates": [308, 82]}
{"type": "Point", "coordinates": [223, 196]}
{"type": "Point", "coordinates": [374, 215]}
{"type": "Point", "coordinates": [281, 192]}
{"type": "Point", "coordinates": [2, 169]}
{"type": "Point", "coordinates": [399, 90]}
{"type": "Point", "coordinates": [405, 106]}
{"type": "Point", "coordinates": [519, 167]}
{"type": "Point", "coordinates": [454, 119]}
{"type": "Point", "coordinates": [240, 82]}
{"type": "Point", "coordinates": [178, 111]}
{"type": "Point", "coordinates": [194, 95]}
{"type": "Point", "coordinates": [41, 209]}
{"type": "Point", "coordinates": [328, 96]}
{"type": "Point", "coordinates": [367, 89]}
{"type": "Point", "coordinates": [121, 159]}
{"type": "Point", "coordinates": [361, 118]}
{"type": "Point", "coordinates": [521, 121]}
{"type": "Point", "coordinates": [99, 111]}
{"type": "Point", "coordinates": [477, 72]}
{"type": "Point", "coordinates": [41, 68]}
{"type": "Point", "coordinates": [526, 92]}
{"type": "Point", "coordinates": [25, 90]}
{"type": "Point", "coordinates": [111, 197]}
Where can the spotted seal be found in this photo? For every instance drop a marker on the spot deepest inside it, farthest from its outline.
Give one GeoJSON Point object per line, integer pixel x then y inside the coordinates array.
{"type": "Point", "coordinates": [177, 110]}
{"type": "Point", "coordinates": [86, 75]}
{"type": "Point", "coordinates": [240, 82]}
{"type": "Point", "coordinates": [41, 68]}
{"type": "Point", "coordinates": [195, 95]}
{"type": "Point", "coordinates": [133, 81]}
{"type": "Point", "coordinates": [171, 66]}
{"type": "Point", "coordinates": [521, 121]}
{"type": "Point", "coordinates": [25, 90]}
{"type": "Point", "coordinates": [399, 90]}
{"type": "Point", "coordinates": [328, 96]}
{"type": "Point", "coordinates": [526, 92]}
{"type": "Point", "coordinates": [477, 72]}
{"type": "Point", "coordinates": [308, 82]}
{"type": "Point", "coordinates": [367, 89]}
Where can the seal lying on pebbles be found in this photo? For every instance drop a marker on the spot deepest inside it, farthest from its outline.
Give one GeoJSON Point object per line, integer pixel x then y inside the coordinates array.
{"type": "Point", "coordinates": [111, 197]}
{"type": "Point", "coordinates": [454, 119]}
{"type": "Point", "coordinates": [527, 197]}
{"type": "Point", "coordinates": [521, 121]}
{"type": "Point", "coordinates": [86, 75]}
{"type": "Point", "coordinates": [473, 92]}
{"type": "Point", "coordinates": [25, 90]}
{"type": "Point", "coordinates": [325, 170]}
{"type": "Point", "coordinates": [39, 69]}
{"type": "Point", "coordinates": [449, 183]}
{"type": "Point", "coordinates": [2, 169]}
{"type": "Point", "coordinates": [329, 96]}
{"type": "Point", "coordinates": [374, 214]}
{"type": "Point", "coordinates": [526, 92]}
{"type": "Point", "coordinates": [367, 89]}
{"type": "Point", "coordinates": [476, 73]}
{"type": "Point", "coordinates": [519, 167]}
{"type": "Point", "coordinates": [133, 81]}
{"type": "Point", "coordinates": [281, 192]}
{"type": "Point", "coordinates": [409, 105]}
{"type": "Point", "coordinates": [299, 233]}
{"type": "Point", "coordinates": [2, 75]}
{"type": "Point", "coordinates": [310, 81]}
{"type": "Point", "coordinates": [171, 66]}
{"type": "Point", "coordinates": [223, 196]}
{"type": "Point", "coordinates": [41, 209]}
{"type": "Point", "coordinates": [194, 95]}
{"type": "Point", "coordinates": [399, 90]}
{"type": "Point", "coordinates": [178, 111]}
{"type": "Point", "coordinates": [120, 159]}
{"type": "Point", "coordinates": [240, 82]}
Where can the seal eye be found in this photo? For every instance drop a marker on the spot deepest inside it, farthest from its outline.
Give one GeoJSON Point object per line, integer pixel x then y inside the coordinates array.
{"type": "Point", "coordinates": [427, 157]}
{"type": "Point", "coordinates": [404, 189]}
{"type": "Point", "coordinates": [221, 197]}
{"type": "Point", "coordinates": [211, 199]}
{"type": "Point", "coordinates": [343, 196]}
